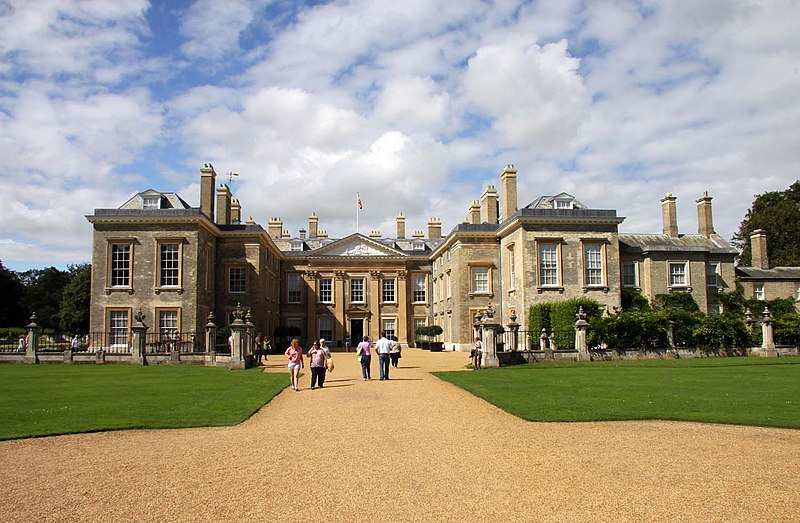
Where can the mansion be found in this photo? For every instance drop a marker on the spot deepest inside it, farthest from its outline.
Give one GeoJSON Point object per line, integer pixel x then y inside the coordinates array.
{"type": "Point", "coordinates": [177, 264]}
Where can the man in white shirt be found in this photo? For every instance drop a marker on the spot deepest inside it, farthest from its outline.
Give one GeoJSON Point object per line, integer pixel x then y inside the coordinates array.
{"type": "Point", "coordinates": [384, 347]}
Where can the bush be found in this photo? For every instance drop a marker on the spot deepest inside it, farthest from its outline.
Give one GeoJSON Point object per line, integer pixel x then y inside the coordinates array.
{"type": "Point", "coordinates": [721, 332]}
{"type": "Point", "coordinates": [677, 301]}
{"type": "Point", "coordinates": [634, 301]}
{"type": "Point", "coordinates": [634, 330]}
{"type": "Point", "coordinates": [787, 330]}
{"type": "Point", "coordinates": [538, 319]}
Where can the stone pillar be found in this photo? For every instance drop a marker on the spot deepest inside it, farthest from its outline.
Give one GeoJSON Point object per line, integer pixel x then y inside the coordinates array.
{"type": "Point", "coordinates": [339, 299]}
{"type": "Point", "coordinates": [488, 325]}
{"type": "Point", "coordinates": [374, 299]}
{"type": "Point", "coordinates": [513, 327]}
{"type": "Point", "coordinates": [311, 306]}
{"type": "Point", "coordinates": [671, 334]}
{"type": "Point", "coordinates": [768, 349]}
{"type": "Point", "coordinates": [33, 340]}
{"type": "Point", "coordinates": [250, 339]}
{"type": "Point", "coordinates": [402, 308]}
{"type": "Point", "coordinates": [139, 330]}
{"type": "Point", "coordinates": [544, 344]}
{"type": "Point", "coordinates": [211, 338]}
{"type": "Point", "coordinates": [581, 326]}
{"type": "Point", "coordinates": [238, 329]}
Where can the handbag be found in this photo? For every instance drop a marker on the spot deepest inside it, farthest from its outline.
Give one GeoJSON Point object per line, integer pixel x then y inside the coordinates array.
{"type": "Point", "coordinates": [330, 365]}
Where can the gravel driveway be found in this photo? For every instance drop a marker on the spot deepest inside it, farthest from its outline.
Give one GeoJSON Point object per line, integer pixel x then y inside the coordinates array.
{"type": "Point", "coordinates": [410, 449]}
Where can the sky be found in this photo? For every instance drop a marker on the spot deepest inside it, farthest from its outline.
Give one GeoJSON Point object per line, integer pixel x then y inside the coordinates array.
{"type": "Point", "coordinates": [416, 105]}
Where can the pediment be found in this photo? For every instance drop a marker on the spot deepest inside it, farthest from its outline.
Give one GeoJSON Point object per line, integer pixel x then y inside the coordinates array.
{"type": "Point", "coordinates": [357, 245]}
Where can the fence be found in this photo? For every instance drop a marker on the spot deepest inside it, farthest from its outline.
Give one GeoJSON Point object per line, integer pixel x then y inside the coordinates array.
{"type": "Point", "coordinates": [182, 342]}
{"type": "Point", "coordinates": [530, 341]}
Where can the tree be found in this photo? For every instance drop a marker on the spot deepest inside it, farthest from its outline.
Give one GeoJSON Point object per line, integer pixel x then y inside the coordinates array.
{"type": "Point", "coordinates": [74, 310]}
{"type": "Point", "coordinates": [777, 213]}
{"type": "Point", "coordinates": [11, 313]}
{"type": "Point", "coordinates": [42, 294]}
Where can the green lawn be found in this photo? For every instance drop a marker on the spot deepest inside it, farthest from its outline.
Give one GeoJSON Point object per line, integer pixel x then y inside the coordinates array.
{"type": "Point", "coordinates": [40, 400]}
{"type": "Point", "coordinates": [744, 391]}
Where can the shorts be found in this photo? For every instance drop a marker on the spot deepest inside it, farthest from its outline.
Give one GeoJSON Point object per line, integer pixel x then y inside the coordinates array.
{"type": "Point", "coordinates": [293, 365]}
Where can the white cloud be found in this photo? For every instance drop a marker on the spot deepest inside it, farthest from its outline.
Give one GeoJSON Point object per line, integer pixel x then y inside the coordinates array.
{"type": "Point", "coordinates": [534, 92]}
{"type": "Point", "coordinates": [213, 28]}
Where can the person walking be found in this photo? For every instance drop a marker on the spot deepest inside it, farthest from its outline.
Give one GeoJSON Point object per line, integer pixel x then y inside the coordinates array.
{"type": "Point", "coordinates": [383, 346]}
{"type": "Point", "coordinates": [477, 354]}
{"type": "Point", "coordinates": [267, 348]}
{"type": "Point", "coordinates": [258, 349]}
{"type": "Point", "coordinates": [295, 356]}
{"type": "Point", "coordinates": [22, 346]}
{"type": "Point", "coordinates": [318, 361]}
{"type": "Point", "coordinates": [74, 344]}
{"type": "Point", "coordinates": [364, 356]}
{"type": "Point", "coordinates": [394, 354]}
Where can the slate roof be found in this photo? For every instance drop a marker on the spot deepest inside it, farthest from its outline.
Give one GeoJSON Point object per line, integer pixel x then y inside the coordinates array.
{"type": "Point", "coordinates": [637, 243]}
{"type": "Point", "coordinates": [775, 273]}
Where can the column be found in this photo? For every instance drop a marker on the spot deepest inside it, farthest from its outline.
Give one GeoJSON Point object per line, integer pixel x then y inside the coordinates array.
{"type": "Point", "coordinates": [33, 340]}
{"type": "Point", "coordinates": [488, 325]}
{"type": "Point", "coordinates": [211, 340]}
{"type": "Point", "coordinates": [374, 304]}
{"type": "Point", "coordinates": [238, 327]}
{"type": "Point", "coordinates": [338, 300]}
{"type": "Point", "coordinates": [580, 335]}
{"type": "Point", "coordinates": [402, 308]}
{"type": "Point", "coordinates": [311, 306]}
{"type": "Point", "coordinates": [768, 335]}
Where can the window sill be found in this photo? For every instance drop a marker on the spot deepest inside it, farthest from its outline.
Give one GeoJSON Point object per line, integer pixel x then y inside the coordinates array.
{"type": "Point", "coordinates": [547, 288]}
{"type": "Point", "coordinates": [481, 294]}
{"type": "Point", "coordinates": [603, 288]}
{"type": "Point", "coordinates": [679, 288]}
{"type": "Point", "coordinates": [109, 290]}
{"type": "Point", "coordinates": [159, 290]}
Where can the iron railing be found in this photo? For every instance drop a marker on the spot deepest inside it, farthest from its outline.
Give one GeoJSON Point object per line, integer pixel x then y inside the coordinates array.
{"type": "Point", "coordinates": [182, 342]}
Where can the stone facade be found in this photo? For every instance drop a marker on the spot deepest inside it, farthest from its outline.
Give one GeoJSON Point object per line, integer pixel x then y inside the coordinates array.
{"type": "Point", "coordinates": [178, 264]}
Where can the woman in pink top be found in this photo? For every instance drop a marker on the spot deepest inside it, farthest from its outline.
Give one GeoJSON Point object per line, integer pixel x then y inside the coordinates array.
{"type": "Point", "coordinates": [295, 355]}
{"type": "Point", "coordinates": [364, 355]}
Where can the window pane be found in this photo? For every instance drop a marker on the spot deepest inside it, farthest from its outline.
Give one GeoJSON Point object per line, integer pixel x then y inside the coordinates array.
{"type": "Point", "coordinates": [167, 324]}
{"type": "Point", "coordinates": [480, 280]}
{"type": "Point", "coordinates": [169, 265]}
{"type": "Point", "coordinates": [419, 288]}
{"type": "Point", "coordinates": [237, 282]}
{"type": "Point", "coordinates": [712, 274]}
{"type": "Point", "coordinates": [511, 268]}
{"type": "Point", "coordinates": [326, 327]}
{"type": "Point", "coordinates": [594, 264]}
{"type": "Point", "coordinates": [118, 327]}
{"type": "Point", "coordinates": [326, 290]}
{"type": "Point", "coordinates": [151, 202]}
{"type": "Point", "coordinates": [628, 275]}
{"type": "Point", "coordinates": [388, 291]}
{"type": "Point", "coordinates": [389, 328]}
{"type": "Point", "coordinates": [548, 263]}
{"type": "Point", "coordinates": [677, 274]}
{"type": "Point", "coordinates": [357, 290]}
{"type": "Point", "coordinates": [758, 291]}
{"type": "Point", "coordinates": [120, 264]}
{"type": "Point", "coordinates": [293, 283]}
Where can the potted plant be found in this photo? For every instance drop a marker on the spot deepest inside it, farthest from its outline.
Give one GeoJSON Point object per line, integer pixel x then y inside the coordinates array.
{"type": "Point", "coordinates": [433, 331]}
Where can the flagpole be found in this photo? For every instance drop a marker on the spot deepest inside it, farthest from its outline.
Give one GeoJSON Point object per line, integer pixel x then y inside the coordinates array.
{"type": "Point", "coordinates": [358, 197]}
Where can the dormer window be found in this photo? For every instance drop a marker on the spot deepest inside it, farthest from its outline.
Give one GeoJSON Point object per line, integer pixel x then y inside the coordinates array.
{"type": "Point", "coordinates": [563, 204]}
{"type": "Point", "coordinates": [418, 246]}
{"type": "Point", "coordinates": [151, 202]}
{"type": "Point", "coordinates": [297, 246]}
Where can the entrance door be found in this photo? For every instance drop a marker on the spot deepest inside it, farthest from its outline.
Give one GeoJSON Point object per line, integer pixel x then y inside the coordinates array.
{"type": "Point", "coordinates": [356, 332]}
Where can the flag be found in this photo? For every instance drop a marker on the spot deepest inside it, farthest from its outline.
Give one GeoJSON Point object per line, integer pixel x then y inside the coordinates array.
{"type": "Point", "coordinates": [359, 201]}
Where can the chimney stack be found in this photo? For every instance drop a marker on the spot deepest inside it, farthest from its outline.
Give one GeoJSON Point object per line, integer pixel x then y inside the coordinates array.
{"type": "Point", "coordinates": [236, 211]}
{"type": "Point", "coordinates": [758, 248]}
{"type": "Point", "coordinates": [208, 180]}
{"type": "Point", "coordinates": [401, 226]}
{"type": "Point", "coordinates": [302, 234]}
{"type": "Point", "coordinates": [223, 205]}
{"type": "Point", "coordinates": [274, 227]}
{"type": "Point", "coordinates": [313, 223]}
{"type": "Point", "coordinates": [434, 228]}
{"type": "Point", "coordinates": [375, 234]}
{"type": "Point", "coordinates": [489, 205]}
{"type": "Point", "coordinates": [475, 212]}
{"type": "Point", "coordinates": [508, 184]}
{"type": "Point", "coordinates": [705, 224]}
{"type": "Point", "coordinates": [285, 234]}
{"type": "Point", "coordinates": [418, 235]}
{"type": "Point", "coordinates": [322, 234]}
{"type": "Point", "coordinates": [669, 215]}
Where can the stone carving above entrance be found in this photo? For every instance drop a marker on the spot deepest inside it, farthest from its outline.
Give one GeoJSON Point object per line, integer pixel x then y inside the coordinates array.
{"type": "Point", "coordinates": [356, 246]}
{"type": "Point", "coordinates": [361, 249]}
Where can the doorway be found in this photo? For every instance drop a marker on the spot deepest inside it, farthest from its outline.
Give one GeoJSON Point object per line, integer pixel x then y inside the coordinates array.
{"type": "Point", "coordinates": [356, 332]}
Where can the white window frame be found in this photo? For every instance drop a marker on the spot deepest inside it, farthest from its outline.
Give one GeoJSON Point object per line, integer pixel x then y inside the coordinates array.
{"type": "Point", "coordinates": [389, 327]}
{"type": "Point", "coordinates": [151, 202]}
{"type": "Point", "coordinates": [594, 267]}
{"type": "Point", "coordinates": [120, 268]}
{"type": "Point", "coordinates": [326, 290]}
{"type": "Point", "coordinates": [562, 203]}
{"type": "Point", "coordinates": [511, 267]}
{"type": "Point", "coordinates": [417, 246]}
{"type": "Point", "coordinates": [119, 328]}
{"type": "Point", "coordinates": [758, 291]}
{"type": "Point", "coordinates": [549, 267]}
{"type": "Point", "coordinates": [169, 269]}
{"type": "Point", "coordinates": [449, 284]}
{"type": "Point", "coordinates": [325, 327]}
{"type": "Point", "coordinates": [231, 280]}
{"type": "Point", "coordinates": [388, 290]}
{"type": "Point", "coordinates": [293, 288]}
{"type": "Point", "coordinates": [482, 285]}
{"type": "Point", "coordinates": [168, 326]}
{"type": "Point", "coordinates": [670, 275]}
{"type": "Point", "coordinates": [419, 292]}
{"type": "Point", "coordinates": [634, 272]}
{"type": "Point", "coordinates": [358, 292]}
{"type": "Point", "coordinates": [716, 281]}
